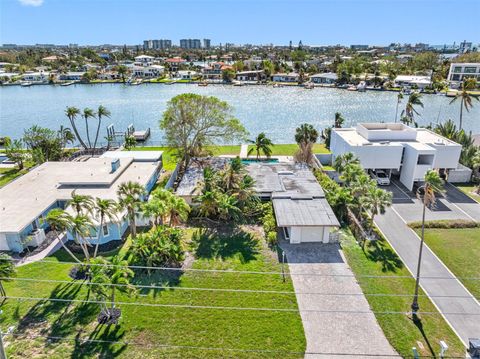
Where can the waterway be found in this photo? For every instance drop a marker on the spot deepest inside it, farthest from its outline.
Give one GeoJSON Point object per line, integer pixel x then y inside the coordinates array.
{"type": "Point", "coordinates": [275, 111]}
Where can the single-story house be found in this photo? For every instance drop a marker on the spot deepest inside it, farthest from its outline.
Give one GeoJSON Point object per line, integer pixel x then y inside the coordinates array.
{"type": "Point", "coordinates": [25, 202]}
{"type": "Point", "coordinates": [255, 75]}
{"type": "Point", "coordinates": [186, 75]}
{"type": "Point", "coordinates": [284, 77]}
{"type": "Point", "coordinates": [41, 76]}
{"type": "Point", "coordinates": [413, 81]}
{"type": "Point", "coordinates": [327, 78]}
{"type": "Point", "coordinates": [71, 76]}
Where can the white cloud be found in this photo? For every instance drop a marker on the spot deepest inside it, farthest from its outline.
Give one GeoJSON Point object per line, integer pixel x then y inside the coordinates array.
{"type": "Point", "coordinates": [31, 2]}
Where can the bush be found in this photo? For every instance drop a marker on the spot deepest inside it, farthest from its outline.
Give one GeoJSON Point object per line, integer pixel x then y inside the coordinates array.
{"type": "Point", "coordinates": [268, 218]}
{"type": "Point", "coordinates": [445, 224]}
{"type": "Point", "coordinates": [161, 246]}
{"type": "Point", "coordinates": [272, 238]}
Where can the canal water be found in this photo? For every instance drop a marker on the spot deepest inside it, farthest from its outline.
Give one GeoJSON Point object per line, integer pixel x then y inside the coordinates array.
{"type": "Point", "coordinates": [275, 111]}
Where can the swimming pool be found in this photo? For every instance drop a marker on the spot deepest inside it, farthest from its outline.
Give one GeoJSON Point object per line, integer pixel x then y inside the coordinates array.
{"type": "Point", "coordinates": [269, 160]}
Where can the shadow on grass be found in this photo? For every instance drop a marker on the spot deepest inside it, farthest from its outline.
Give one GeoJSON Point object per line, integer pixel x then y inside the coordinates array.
{"type": "Point", "coordinates": [418, 323]}
{"type": "Point", "coordinates": [99, 343]}
{"type": "Point", "coordinates": [211, 244]}
{"type": "Point", "coordinates": [379, 251]}
{"type": "Point", "coordinates": [158, 278]}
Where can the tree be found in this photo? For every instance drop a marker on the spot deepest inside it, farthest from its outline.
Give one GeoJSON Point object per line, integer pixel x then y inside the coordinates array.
{"type": "Point", "coordinates": [192, 122]}
{"type": "Point", "coordinates": [178, 210]}
{"type": "Point", "coordinates": [7, 271]}
{"type": "Point", "coordinates": [15, 153]}
{"type": "Point", "coordinates": [377, 200]}
{"type": "Point", "coordinates": [228, 208]}
{"type": "Point", "coordinates": [407, 116]}
{"type": "Point", "coordinates": [399, 100]}
{"type": "Point", "coordinates": [344, 160]}
{"type": "Point", "coordinates": [59, 222]}
{"type": "Point", "coordinates": [122, 71]}
{"type": "Point", "coordinates": [432, 183]}
{"type": "Point", "coordinates": [208, 206]}
{"type": "Point", "coordinates": [87, 114]}
{"type": "Point", "coordinates": [261, 144]}
{"type": "Point", "coordinates": [102, 111]}
{"type": "Point", "coordinates": [72, 113]}
{"type": "Point", "coordinates": [305, 136]}
{"type": "Point", "coordinates": [228, 75]}
{"type": "Point", "coordinates": [465, 98]}
{"type": "Point", "coordinates": [155, 210]}
{"type": "Point", "coordinates": [82, 204]}
{"type": "Point", "coordinates": [339, 120]}
{"type": "Point", "coordinates": [66, 136]}
{"type": "Point", "coordinates": [81, 228]}
{"type": "Point", "coordinates": [129, 198]}
{"type": "Point", "coordinates": [232, 174]}
{"type": "Point", "coordinates": [44, 143]}
{"type": "Point", "coordinates": [326, 136]}
{"type": "Point", "coordinates": [104, 209]}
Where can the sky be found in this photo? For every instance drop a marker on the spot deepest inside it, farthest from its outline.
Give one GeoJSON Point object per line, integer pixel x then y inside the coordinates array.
{"type": "Point", "coordinates": [315, 22]}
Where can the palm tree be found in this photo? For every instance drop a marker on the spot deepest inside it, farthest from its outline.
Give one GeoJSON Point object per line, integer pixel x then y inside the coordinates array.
{"type": "Point", "coordinates": [60, 221]}
{"type": "Point", "coordinates": [129, 198]}
{"type": "Point", "coordinates": [360, 190]}
{"type": "Point", "coordinates": [208, 206]}
{"type": "Point", "coordinates": [339, 120]}
{"type": "Point", "coordinates": [80, 228]}
{"type": "Point", "coordinates": [344, 160]}
{"type": "Point", "coordinates": [122, 71]}
{"type": "Point", "coordinates": [178, 210]}
{"type": "Point", "coordinates": [305, 136]}
{"type": "Point", "coordinates": [72, 113]}
{"type": "Point", "coordinates": [377, 200]}
{"type": "Point", "coordinates": [88, 113]}
{"type": "Point", "coordinates": [246, 192]}
{"type": "Point", "coordinates": [351, 173]}
{"type": "Point", "coordinates": [228, 208]}
{"type": "Point", "coordinates": [399, 100]}
{"type": "Point", "coordinates": [465, 98]}
{"type": "Point", "coordinates": [407, 116]}
{"type": "Point", "coordinates": [232, 174]}
{"type": "Point", "coordinates": [104, 209]}
{"type": "Point", "coordinates": [81, 203]}
{"type": "Point", "coordinates": [66, 136]}
{"type": "Point", "coordinates": [261, 144]}
{"type": "Point", "coordinates": [155, 210]}
{"type": "Point", "coordinates": [7, 271]}
{"type": "Point", "coordinates": [432, 184]}
{"type": "Point", "coordinates": [102, 111]}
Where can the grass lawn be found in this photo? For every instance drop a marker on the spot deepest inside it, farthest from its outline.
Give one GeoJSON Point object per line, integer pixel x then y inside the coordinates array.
{"type": "Point", "coordinates": [290, 149]}
{"type": "Point", "coordinates": [9, 174]}
{"type": "Point", "coordinates": [459, 249]}
{"type": "Point", "coordinates": [149, 327]}
{"type": "Point", "coordinates": [402, 332]}
{"type": "Point", "coordinates": [170, 160]}
{"type": "Point", "coordinates": [469, 190]}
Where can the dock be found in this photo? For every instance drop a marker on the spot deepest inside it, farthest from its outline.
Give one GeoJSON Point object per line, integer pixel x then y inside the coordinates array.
{"type": "Point", "coordinates": [141, 135]}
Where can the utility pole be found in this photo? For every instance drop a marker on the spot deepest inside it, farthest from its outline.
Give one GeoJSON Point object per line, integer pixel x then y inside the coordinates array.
{"type": "Point", "coordinates": [3, 354]}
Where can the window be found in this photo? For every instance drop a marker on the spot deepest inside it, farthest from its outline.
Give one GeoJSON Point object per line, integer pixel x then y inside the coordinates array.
{"type": "Point", "coordinates": [105, 230]}
{"type": "Point", "coordinates": [470, 70]}
{"type": "Point", "coordinates": [457, 69]}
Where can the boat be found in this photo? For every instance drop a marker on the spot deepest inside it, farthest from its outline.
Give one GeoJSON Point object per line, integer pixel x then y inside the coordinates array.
{"type": "Point", "coordinates": [277, 85]}
{"type": "Point", "coordinates": [135, 82]}
{"type": "Point", "coordinates": [238, 83]}
{"type": "Point", "coordinates": [352, 88]}
{"type": "Point", "coordinates": [26, 84]}
{"type": "Point", "coordinates": [361, 86]}
{"type": "Point", "coordinates": [67, 83]}
{"type": "Point", "coordinates": [451, 93]}
{"type": "Point", "coordinates": [309, 86]}
{"type": "Point", "coordinates": [406, 91]}
{"type": "Point", "coordinates": [203, 83]}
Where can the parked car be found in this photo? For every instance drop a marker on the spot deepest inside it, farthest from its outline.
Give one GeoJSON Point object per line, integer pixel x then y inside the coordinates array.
{"type": "Point", "coordinates": [380, 177]}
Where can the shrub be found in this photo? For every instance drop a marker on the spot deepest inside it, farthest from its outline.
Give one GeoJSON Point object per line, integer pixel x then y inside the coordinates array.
{"type": "Point", "coordinates": [157, 247]}
{"type": "Point", "coordinates": [445, 224]}
{"type": "Point", "coordinates": [272, 238]}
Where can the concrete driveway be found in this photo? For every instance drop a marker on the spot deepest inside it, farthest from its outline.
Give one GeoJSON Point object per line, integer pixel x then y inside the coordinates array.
{"type": "Point", "coordinates": [351, 334]}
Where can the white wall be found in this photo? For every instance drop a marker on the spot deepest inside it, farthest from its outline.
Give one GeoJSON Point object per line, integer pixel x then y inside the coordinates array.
{"type": "Point", "coordinates": [446, 156]}
{"type": "Point", "coordinates": [309, 234]}
{"type": "Point", "coordinates": [3, 243]}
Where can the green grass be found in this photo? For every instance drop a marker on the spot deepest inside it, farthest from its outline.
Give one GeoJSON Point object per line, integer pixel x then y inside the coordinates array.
{"type": "Point", "coordinates": [469, 190]}
{"type": "Point", "coordinates": [290, 149]}
{"type": "Point", "coordinates": [150, 326]}
{"type": "Point", "coordinates": [328, 168]}
{"type": "Point", "coordinates": [170, 160]}
{"type": "Point", "coordinates": [7, 175]}
{"type": "Point", "coordinates": [378, 258]}
{"type": "Point", "coordinates": [459, 249]}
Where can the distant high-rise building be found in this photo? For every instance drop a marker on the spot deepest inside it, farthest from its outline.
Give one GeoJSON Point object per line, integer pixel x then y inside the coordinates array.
{"type": "Point", "coordinates": [290, 45]}
{"type": "Point", "coordinates": [147, 44]}
{"type": "Point", "coordinates": [157, 44]}
{"type": "Point", "coordinates": [300, 45]}
{"type": "Point", "coordinates": [206, 43]}
{"type": "Point", "coordinates": [359, 47]}
{"type": "Point", "coordinates": [465, 47]}
{"type": "Point", "coordinates": [190, 43]}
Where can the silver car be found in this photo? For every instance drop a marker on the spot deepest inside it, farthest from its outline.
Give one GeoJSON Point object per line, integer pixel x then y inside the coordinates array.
{"type": "Point", "coordinates": [381, 177]}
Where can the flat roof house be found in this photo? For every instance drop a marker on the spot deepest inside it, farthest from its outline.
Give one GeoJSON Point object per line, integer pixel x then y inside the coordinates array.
{"type": "Point", "coordinates": [413, 81]}
{"type": "Point", "coordinates": [255, 75]}
{"type": "Point", "coordinates": [397, 148]}
{"type": "Point", "coordinates": [459, 71]}
{"type": "Point", "coordinates": [25, 202]}
{"type": "Point", "coordinates": [284, 77]}
{"type": "Point", "coordinates": [327, 78]}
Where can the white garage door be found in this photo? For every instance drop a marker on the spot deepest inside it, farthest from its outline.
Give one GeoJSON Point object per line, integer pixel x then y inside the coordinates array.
{"type": "Point", "coordinates": [309, 234]}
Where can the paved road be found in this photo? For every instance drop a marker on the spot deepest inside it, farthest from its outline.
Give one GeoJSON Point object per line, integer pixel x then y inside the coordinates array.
{"type": "Point", "coordinates": [347, 333]}
{"type": "Point", "coordinates": [468, 205]}
{"type": "Point", "coordinates": [406, 244]}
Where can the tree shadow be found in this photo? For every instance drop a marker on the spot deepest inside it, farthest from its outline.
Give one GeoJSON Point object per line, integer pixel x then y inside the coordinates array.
{"type": "Point", "coordinates": [213, 244]}
{"type": "Point", "coordinates": [378, 251]}
{"type": "Point", "coordinates": [418, 323]}
{"type": "Point", "coordinates": [157, 278]}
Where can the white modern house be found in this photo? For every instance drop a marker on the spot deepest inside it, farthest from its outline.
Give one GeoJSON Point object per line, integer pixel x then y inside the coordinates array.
{"type": "Point", "coordinates": [459, 71]}
{"type": "Point", "coordinates": [398, 149]}
{"type": "Point", "coordinates": [286, 77]}
{"type": "Point", "coordinates": [40, 76]}
{"type": "Point", "coordinates": [327, 78]}
{"type": "Point", "coordinates": [144, 60]}
{"type": "Point", "coordinates": [26, 201]}
{"type": "Point", "coordinates": [413, 81]}
{"type": "Point", "coordinates": [148, 72]}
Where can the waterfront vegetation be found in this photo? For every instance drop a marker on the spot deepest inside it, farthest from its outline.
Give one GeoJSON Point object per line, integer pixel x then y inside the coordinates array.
{"type": "Point", "coordinates": [148, 327]}
{"type": "Point", "coordinates": [290, 149]}
{"type": "Point", "coordinates": [7, 175]}
{"type": "Point", "coordinates": [378, 258]}
{"type": "Point", "coordinates": [459, 249]}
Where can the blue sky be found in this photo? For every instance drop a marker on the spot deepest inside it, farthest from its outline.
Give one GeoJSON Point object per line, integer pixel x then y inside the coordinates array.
{"type": "Point", "coordinates": [239, 21]}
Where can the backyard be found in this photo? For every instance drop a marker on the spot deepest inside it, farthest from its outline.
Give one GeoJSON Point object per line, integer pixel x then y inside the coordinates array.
{"type": "Point", "coordinates": [147, 326]}
{"type": "Point", "coordinates": [425, 332]}
{"type": "Point", "coordinates": [290, 149]}
{"type": "Point", "coordinates": [459, 249]}
{"type": "Point", "coordinates": [469, 189]}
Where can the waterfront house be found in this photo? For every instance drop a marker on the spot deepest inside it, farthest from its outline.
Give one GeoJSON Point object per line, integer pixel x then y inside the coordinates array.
{"type": "Point", "coordinates": [214, 70]}
{"type": "Point", "coordinates": [419, 82]}
{"type": "Point", "coordinates": [148, 72]}
{"type": "Point", "coordinates": [284, 77]}
{"type": "Point", "coordinates": [460, 71]}
{"type": "Point", "coordinates": [26, 201]}
{"type": "Point", "coordinates": [41, 76]}
{"type": "Point", "coordinates": [186, 75]}
{"type": "Point", "coordinates": [175, 63]}
{"type": "Point", "coordinates": [144, 60]}
{"type": "Point", "coordinates": [71, 76]}
{"type": "Point", "coordinates": [403, 151]}
{"type": "Point", "coordinates": [253, 76]}
{"type": "Point", "coordinates": [327, 78]}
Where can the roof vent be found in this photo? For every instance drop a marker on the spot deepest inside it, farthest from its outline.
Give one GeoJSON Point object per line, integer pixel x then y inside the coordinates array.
{"type": "Point", "coordinates": [115, 164]}
{"type": "Point", "coordinates": [439, 143]}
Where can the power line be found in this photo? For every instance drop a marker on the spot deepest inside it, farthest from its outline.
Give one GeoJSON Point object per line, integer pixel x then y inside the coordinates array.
{"type": "Point", "coordinates": [188, 306]}
{"type": "Point", "coordinates": [265, 351]}
{"type": "Point", "coordinates": [228, 271]}
{"type": "Point", "coordinates": [166, 287]}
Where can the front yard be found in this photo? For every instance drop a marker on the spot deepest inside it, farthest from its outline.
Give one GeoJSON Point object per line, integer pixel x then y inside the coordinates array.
{"type": "Point", "coordinates": [379, 259]}
{"type": "Point", "coordinates": [147, 328]}
{"type": "Point", "coordinates": [290, 149]}
{"type": "Point", "coordinates": [470, 190]}
{"type": "Point", "coordinates": [459, 249]}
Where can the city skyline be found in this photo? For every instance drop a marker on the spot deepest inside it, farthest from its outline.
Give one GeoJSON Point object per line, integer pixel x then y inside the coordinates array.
{"type": "Point", "coordinates": [272, 22]}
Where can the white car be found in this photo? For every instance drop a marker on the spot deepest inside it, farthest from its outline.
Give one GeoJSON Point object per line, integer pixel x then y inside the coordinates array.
{"type": "Point", "coordinates": [381, 177]}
